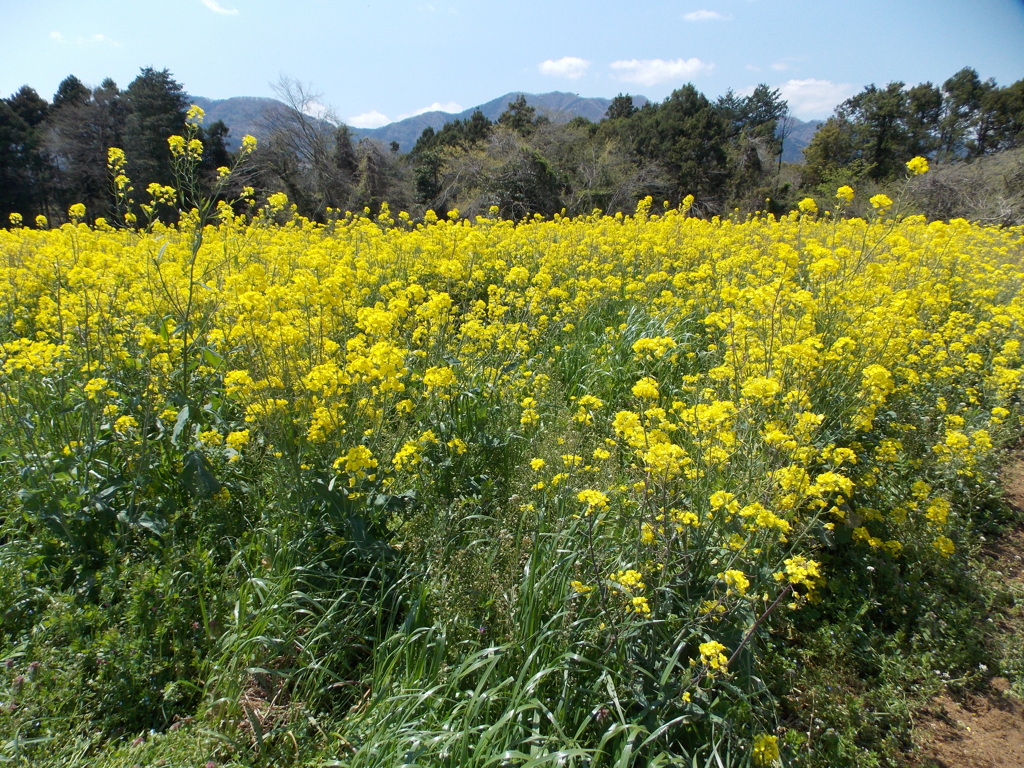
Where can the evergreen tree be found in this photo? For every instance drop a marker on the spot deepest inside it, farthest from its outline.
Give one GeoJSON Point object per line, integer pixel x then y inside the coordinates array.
{"type": "Point", "coordinates": [1003, 110]}
{"type": "Point", "coordinates": [29, 106]}
{"type": "Point", "coordinates": [214, 138]}
{"type": "Point", "coordinates": [16, 194]}
{"type": "Point", "coordinates": [760, 114]}
{"type": "Point", "coordinates": [345, 159]}
{"type": "Point", "coordinates": [24, 171]}
{"type": "Point", "coordinates": [754, 144]}
{"type": "Point", "coordinates": [831, 152]}
{"type": "Point", "coordinates": [156, 104]}
{"type": "Point", "coordinates": [427, 169]}
{"type": "Point", "coordinates": [621, 107]}
{"type": "Point", "coordinates": [519, 116]}
{"type": "Point", "coordinates": [687, 136]}
{"type": "Point", "coordinates": [433, 147]}
{"type": "Point", "coordinates": [924, 110]}
{"type": "Point", "coordinates": [961, 108]}
{"type": "Point", "coordinates": [71, 92]}
{"type": "Point", "coordinates": [879, 117]}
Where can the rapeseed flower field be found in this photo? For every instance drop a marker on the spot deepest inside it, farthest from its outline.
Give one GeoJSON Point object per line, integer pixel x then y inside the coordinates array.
{"type": "Point", "coordinates": [483, 493]}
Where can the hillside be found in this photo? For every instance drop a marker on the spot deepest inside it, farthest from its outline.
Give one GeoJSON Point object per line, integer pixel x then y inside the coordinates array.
{"type": "Point", "coordinates": [241, 114]}
{"type": "Point", "coordinates": [247, 114]}
{"type": "Point", "coordinates": [557, 106]}
{"type": "Point", "coordinates": [798, 135]}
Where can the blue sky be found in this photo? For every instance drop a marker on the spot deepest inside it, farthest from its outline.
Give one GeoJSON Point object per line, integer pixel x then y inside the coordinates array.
{"type": "Point", "coordinates": [372, 63]}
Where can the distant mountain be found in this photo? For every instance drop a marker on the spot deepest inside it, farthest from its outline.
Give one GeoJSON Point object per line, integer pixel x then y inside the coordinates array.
{"type": "Point", "coordinates": [248, 114]}
{"type": "Point", "coordinates": [797, 135]}
{"type": "Point", "coordinates": [241, 114]}
{"type": "Point", "coordinates": [557, 106]}
{"type": "Point", "coordinates": [252, 115]}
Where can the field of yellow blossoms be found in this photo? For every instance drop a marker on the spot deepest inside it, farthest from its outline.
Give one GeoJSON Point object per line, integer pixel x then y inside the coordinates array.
{"type": "Point", "coordinates": [484, 493]}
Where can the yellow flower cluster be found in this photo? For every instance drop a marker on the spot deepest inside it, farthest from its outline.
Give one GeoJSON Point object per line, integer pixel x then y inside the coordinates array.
{"type": "Point", "coordinates": [765, 750]}
{"type": "Point", "coordinates": [182, 147]}
{"type": "Point", "coordinates": [712, 655]}
{"type": "Point", "coordinates": [802, 572]}
{"type": "Point", "coordinates": [631, 582]}
{"type": "Point", "coordinates": [593, 499]}
{"type": "Point", "coordinates": [808, 206]}
{"type": "Point", "coordinates": [653, 348]}
{"type": "Point", "coordinates": [917, 166]}
{"type": "Point", "coordinates": [736, 580]}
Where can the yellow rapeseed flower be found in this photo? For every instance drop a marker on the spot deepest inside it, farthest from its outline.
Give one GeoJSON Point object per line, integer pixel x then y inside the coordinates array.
{"type": "Point", "coordinates": [736, 580]}
{"type": "Point", "coordinates": [646, 388]}
{"type": "Point", "coordinates": [593, 499]}
{"type": "Point", "coordinates": [765, 750]}
{"type": "Point", "coordinates": [712, 655]}
{"type": "Point", "coordinates": [808, 206]}
{"type": "Point", "coordinates": [917, 166]}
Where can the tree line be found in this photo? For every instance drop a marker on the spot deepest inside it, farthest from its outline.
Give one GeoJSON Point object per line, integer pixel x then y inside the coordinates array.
{"type": "Point", "coordinates": [873, 133]}
{"type": "Point", "coordinates": [54, 154]}
{"type": "Point", "coordinates": [726, 152]}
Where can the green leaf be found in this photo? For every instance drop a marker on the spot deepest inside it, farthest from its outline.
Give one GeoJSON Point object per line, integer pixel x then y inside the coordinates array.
{"type": "Point", "coordinates": [179, 424]}
{"type": "Point", "coordinates": [212, 358]}
{"type": "Point", "coordinates": [164, 330]}
{"type": "Point", "coordinates": [197, 476]}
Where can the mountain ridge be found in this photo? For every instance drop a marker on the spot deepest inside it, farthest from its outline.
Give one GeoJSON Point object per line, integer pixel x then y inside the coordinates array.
{"type": "Point", "coordinates": [557, 106]}
{"type": "Point", "coordinates": [253, 114]}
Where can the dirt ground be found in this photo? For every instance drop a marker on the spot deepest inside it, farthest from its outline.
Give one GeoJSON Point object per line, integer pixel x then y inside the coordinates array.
{"type": "Point", "coordinates": [985, 730]}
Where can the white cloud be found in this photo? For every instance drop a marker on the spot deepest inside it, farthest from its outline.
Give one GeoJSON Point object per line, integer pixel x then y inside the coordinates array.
{"type": "Point", "coordinates": [375, 119]}
{"type": "Point", "coordinates": [371, 119]}
{"type": "Point", "coordinates": [216, 7]}
{"type": "Point", "coordinates": [814, 98]}
{"type": "Point", "coordinates": [781, 66]}
{"type": "Point", "coordinates": [314, 108]}
{"type": "Point", "coordinates": [437, 106]}
{"type": "Point", "coordinates": [96, 39]}
{"type": "Point", "coordinates": [653, 71]}
{"type": "Point", "coordinates": [571, 67]}
{"type": "Point", "coordinates": [706, 15]}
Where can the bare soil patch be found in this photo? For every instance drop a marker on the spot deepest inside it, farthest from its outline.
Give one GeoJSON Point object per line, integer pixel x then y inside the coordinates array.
{"type": "Point", "coordinates": [986, 729]}
{"type": "Point", "coordinates": [980, 731]}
